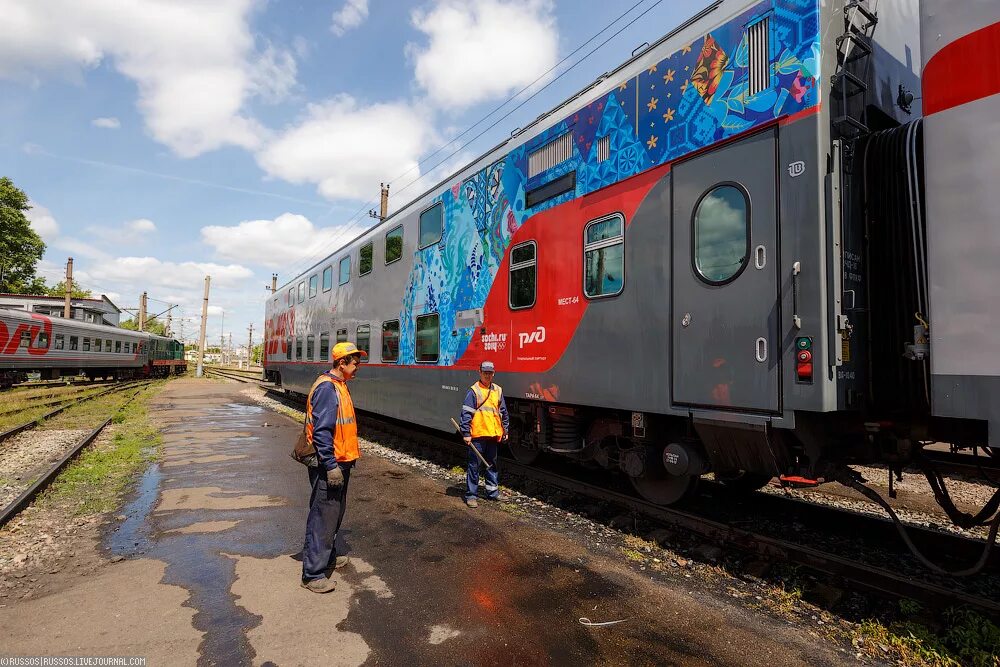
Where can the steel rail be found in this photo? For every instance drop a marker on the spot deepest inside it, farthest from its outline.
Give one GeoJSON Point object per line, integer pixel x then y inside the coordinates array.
{"type": "Point", "coordinates": [27, 426]}
{"type": "Point", "coordinates": [29, 494]}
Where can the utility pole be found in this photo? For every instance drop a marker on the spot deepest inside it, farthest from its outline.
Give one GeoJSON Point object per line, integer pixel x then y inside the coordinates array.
{"type": "Point", "coordinates": [383, 205]}
{"type": "Point", "coordinates": [142, 312]}
{"type": "Point", "coordinates": [274, 283]}
{"type": "Point", "coordinates": [204, 320]}
{"type": "Point", "coordinates": [250, 347]}
{"type": "Point", "coordinates": [222, 340]}
{"type": "Point", "coordinates": [229, 350]}
{"type": "Point", "coordinates": [170, 317]}
{"type": "Point", "coordinates": [69, 288]}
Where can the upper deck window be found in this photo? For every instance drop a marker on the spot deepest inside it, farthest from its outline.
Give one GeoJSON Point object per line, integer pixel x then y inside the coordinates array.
{"type": "Point", "coordinates": [302, 291]}
{"type": "Point", "coordinates": [522, 276]}
{"type": "Point", "coordinates": [604, 257]}
{"type": "Point", "coordinates": [345, 270]}
{"type": "Point", "coordinates": [394, 245]}
{"type": "Point", "coordinates": [313, 285]}
{"type": "Point", "coordinates": [365, 259]}
{"type": "Point", "coordinates": [328, 279]}
{"type": "Point", "coordinates": [431, 225]}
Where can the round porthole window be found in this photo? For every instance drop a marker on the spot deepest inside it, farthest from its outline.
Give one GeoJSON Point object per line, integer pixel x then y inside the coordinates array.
{"type": "Point", "coordinates": [721, 234]}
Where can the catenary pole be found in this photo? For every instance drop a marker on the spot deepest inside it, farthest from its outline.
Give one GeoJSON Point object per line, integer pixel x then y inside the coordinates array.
{"type": "Point", "coordinates": [201, 340]}
{"type": "Point", "coordinates": [69, 288]}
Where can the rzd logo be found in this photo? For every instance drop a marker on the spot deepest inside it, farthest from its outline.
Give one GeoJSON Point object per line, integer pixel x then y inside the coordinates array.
{"type": "Point", "coordinates": [536, 336]}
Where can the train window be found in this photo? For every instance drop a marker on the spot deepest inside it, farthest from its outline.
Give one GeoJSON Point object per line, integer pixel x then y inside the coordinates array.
{"type": "Point", "coordinates": [521, 290]}
{"type": "Point", "coordinates": [288, 349]}
{"type": "Point", "coordinates": [302, 291]}
{"type": "Point", "coordinates": [721, 234]}
{"type": "Point", "coordinates": [86, 345]}
{"type": "Point", "coordinates": [73, 342]}
{"type": "Point", "coordinates": [341, 335]}
{"type": "Point", "coordinates": [310, 346]}
{"type": "Point", "coordinates": [390, 340]}
{"type": "Point", "coordinates": [313, 286]}
{"type": "Point", "coordinates": [427, 339]}
{"type": "Point", "coordinates": [364, 340]}
{"type": "Point", "coordinates": [107, 344]}
{"type": "Point", "coordinates": [98, 344]}
{"type": "Point", "coordinates": [298, 348]}
{"type": "Point", "coordinates": [118, 345]}
{"type": "Point", "coordinates": [345, 270]}
{"type": "Point", "coordinates": [394, 245]}
{"type": "Point", "coordinates": [604, 257]}
{"type": "Point", "coordinates": [324, 346]}
{"type": "Point", "coordinates": [59, 341]}
{"type": "Point", "coordinates": [431, 226]}
{"type": "Point", "coordinates": [291, 297]}
{"type": "Point", "coordinates": [25, 338]}
{"type": "Point", "coordinates": [328, 279]}
{"type": "Point", "coordinates": [365, 256]}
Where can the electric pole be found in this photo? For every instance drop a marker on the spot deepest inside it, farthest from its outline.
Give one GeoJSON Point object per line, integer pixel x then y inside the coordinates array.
{"type": "Point", "coordinates": [170, 317]}
{"type": "Point", "coordinates": [250, 347]}
{"type": "Point", "coordinates": [229, 350]}
{"type": "Point", "coordinates": [274, 283]}
{"type": "Point", "coordinates": [201, 340]}
{"type": "Point", "coordinates": [142, 312]}
{"type": "Point", "coordinates": [222, 340]}
{"type": "Point", "coordinates": [69, 288]}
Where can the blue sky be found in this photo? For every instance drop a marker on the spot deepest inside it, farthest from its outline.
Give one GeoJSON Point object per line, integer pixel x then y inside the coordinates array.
{"type": "Point", "coordinates": [162, 140]}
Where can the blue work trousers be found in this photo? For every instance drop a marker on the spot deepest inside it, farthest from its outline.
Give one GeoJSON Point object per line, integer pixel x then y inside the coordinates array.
{"type": "Point", "coordinates": [327, 505]}
{"type": "Point", "coordinates": [488, 447]}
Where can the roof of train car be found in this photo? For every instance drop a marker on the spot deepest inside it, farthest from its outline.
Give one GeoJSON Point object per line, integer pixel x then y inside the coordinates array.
{"type": "Point", "coordinates": [24, 316]}
{"type": "Point", "coordinates": [673, 40]}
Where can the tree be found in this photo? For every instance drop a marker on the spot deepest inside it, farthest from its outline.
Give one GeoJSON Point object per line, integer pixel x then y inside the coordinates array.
{"type": "Point", "coordinates": [153, 326]}
{"type": "Point", "coordinates": [255, 356]}
{"type": "Point", "coordinates": [20, 247]}
{"type": "Point", "coordinates": [59, 289]}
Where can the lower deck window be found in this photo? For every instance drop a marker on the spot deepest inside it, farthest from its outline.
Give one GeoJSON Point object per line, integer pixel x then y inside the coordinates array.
{"type": "Point", "coordinates": [98, 344]}
{"type": "Point", "coordinates": [390, 340]}
{"type": "Point", "coordinates": [60, 341]}
{"type": "Point", "coordinates": [118, 345]}
{"type": "Point", "coordinates": [604, 257]}
{"type": "Point", "coordinates": [288, 349]}
{"type": "Point", "coordinates": [86, 345]}
{"type": "Point", "coordinates": [298, 349]}
{"type": "Point", "coordinates": [310, 346]}
{"type": "Point", "coordinates": [364, 340]}
{"type": "Point", "coordinates": [324, 346]}
{"type": "Point", "coordinates": [73, 342]}
{"type": "Point", "coordinates": [427, 338]}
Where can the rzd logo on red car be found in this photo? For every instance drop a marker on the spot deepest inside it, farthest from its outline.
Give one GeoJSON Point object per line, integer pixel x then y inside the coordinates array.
{"type": "Point", "coordinates": [9, 341]}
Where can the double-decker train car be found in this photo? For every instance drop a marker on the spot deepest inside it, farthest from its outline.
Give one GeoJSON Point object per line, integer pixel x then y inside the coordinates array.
{"type": "Point", "coordinates": [53, 347]}
{"type": "Point", "coordinates": [714, 258]}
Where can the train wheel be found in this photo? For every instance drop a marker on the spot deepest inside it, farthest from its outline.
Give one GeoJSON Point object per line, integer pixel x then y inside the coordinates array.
{"type": "Point", "coordinates": [523, 454]}
{"type": "Point", "coordinates": [743, 481]}
{"type": "Point", "coordinates": [662, 488]}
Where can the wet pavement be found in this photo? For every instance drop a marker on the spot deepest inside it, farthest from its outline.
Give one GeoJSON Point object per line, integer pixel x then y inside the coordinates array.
{"type": "Point", "coordinates": [212, 539]}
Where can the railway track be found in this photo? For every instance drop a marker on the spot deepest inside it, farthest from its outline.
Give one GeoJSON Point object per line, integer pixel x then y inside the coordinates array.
{"type": "Point", "coordinates": [25, 386]}
{"type": "Point", "coordinates": [25, 498]}
{"type": "Point", "coordinates": [732, 522]}
{"type": "Point", "coordinates": [65, 405]}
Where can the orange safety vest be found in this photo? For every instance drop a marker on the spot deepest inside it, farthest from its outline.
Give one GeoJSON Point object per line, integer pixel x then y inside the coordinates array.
{"type": "Point", "coordinates": [345, 434]}
{"type": "Point", "coordinates": [486, 420]}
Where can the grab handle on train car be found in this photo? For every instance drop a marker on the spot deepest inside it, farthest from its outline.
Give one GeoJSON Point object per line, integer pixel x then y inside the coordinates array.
{"type": "Point", "coordinates": [796, 270]}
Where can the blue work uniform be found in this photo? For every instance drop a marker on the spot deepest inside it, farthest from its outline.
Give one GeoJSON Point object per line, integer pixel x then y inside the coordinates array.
{"type": "Point", "coordinates": [485, 420]}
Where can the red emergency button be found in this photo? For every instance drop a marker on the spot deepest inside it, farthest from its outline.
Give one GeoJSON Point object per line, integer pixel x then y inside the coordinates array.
{"type": "Point", "coordinates": [804, 371]}
{"type": "Point", "coordinates": [804, 356]}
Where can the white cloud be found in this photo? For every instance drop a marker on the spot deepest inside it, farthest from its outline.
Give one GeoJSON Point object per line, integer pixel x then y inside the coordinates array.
{"type": "Point", "coordinates": [482, 49]}
{"type": "Point", "coordinates": [195, 68]}
{"type": "Point", "coordinates": [110, 123]}
{"type": "Point", "coordinates": [351, 15]}
{"type": "Point", "coordinates": [131, 232]}
{"type": "Point", "coordinates": [42, 221]}
{"type": "Point", "coordinates": [152, 274]}
{"type": "Point", "coordinates": [141, 226]}
{"type": "Point", "coordinates": [348, 150]}
{"type": "Point", "coordinates": [276, 243]}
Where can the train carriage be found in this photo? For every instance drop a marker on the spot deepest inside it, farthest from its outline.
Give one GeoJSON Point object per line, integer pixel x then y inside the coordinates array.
{"type": "Point", "coordinates": [54, 347]}
{"type": "Point", "coordinates": [678, 270]}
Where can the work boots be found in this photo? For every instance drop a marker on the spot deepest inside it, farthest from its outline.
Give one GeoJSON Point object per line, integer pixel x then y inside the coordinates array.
{"type": "Point", "coordinates": [323, 585]}
{"type": "Point", "coordinates": [472, 502]}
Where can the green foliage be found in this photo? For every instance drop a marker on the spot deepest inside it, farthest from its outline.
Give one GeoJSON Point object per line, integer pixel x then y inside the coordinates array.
{"type": "Point", "coordinates": [255, 356]}
{"type": "Point", "coordinates": [20, 247]}
{"type": "Point", "coordinates": [59, 289]}
{"type": "Point", "coordinates": [153, 326]}
{"type": "Point", "coordinates": [965, 639]}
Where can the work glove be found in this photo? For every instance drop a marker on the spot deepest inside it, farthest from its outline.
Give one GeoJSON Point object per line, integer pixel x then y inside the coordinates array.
{"type": "Point", "coordinates": [335, 477]}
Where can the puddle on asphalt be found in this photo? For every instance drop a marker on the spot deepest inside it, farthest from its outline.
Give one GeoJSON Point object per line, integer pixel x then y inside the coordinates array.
{"type": "Point", "coordinates": [132, 536]}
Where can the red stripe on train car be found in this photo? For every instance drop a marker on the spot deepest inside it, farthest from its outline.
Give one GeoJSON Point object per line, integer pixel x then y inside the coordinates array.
{"type": "Point", "coordinates": [964, 71]}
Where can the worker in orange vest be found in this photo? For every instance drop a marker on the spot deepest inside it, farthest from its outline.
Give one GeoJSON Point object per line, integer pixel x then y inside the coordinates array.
{"type": "Point", "coordinates": [332, 429]}
{"type": "Point", "coordinates": [484, 426]}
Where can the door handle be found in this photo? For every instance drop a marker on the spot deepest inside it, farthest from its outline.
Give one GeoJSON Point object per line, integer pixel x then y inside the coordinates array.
{"type": "Point", "coordinates": [760, 349]}
{"type": "Point", "coordinates": [760, 257]}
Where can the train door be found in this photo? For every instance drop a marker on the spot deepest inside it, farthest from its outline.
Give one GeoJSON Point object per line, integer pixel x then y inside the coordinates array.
{"type": "Point", "coordinates": [725, 346]}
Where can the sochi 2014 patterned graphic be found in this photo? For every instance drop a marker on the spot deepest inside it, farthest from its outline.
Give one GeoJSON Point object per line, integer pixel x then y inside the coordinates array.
{"type": "Point", "coordinates": [689, 100]}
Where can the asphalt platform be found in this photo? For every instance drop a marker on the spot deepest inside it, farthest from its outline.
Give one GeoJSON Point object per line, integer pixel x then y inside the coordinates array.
{"type": "Point", "coordinates": [211, 545]}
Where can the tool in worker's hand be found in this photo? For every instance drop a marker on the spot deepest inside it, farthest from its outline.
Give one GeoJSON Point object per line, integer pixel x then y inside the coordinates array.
{"type": "Point", "coordinates": [481, 458]}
